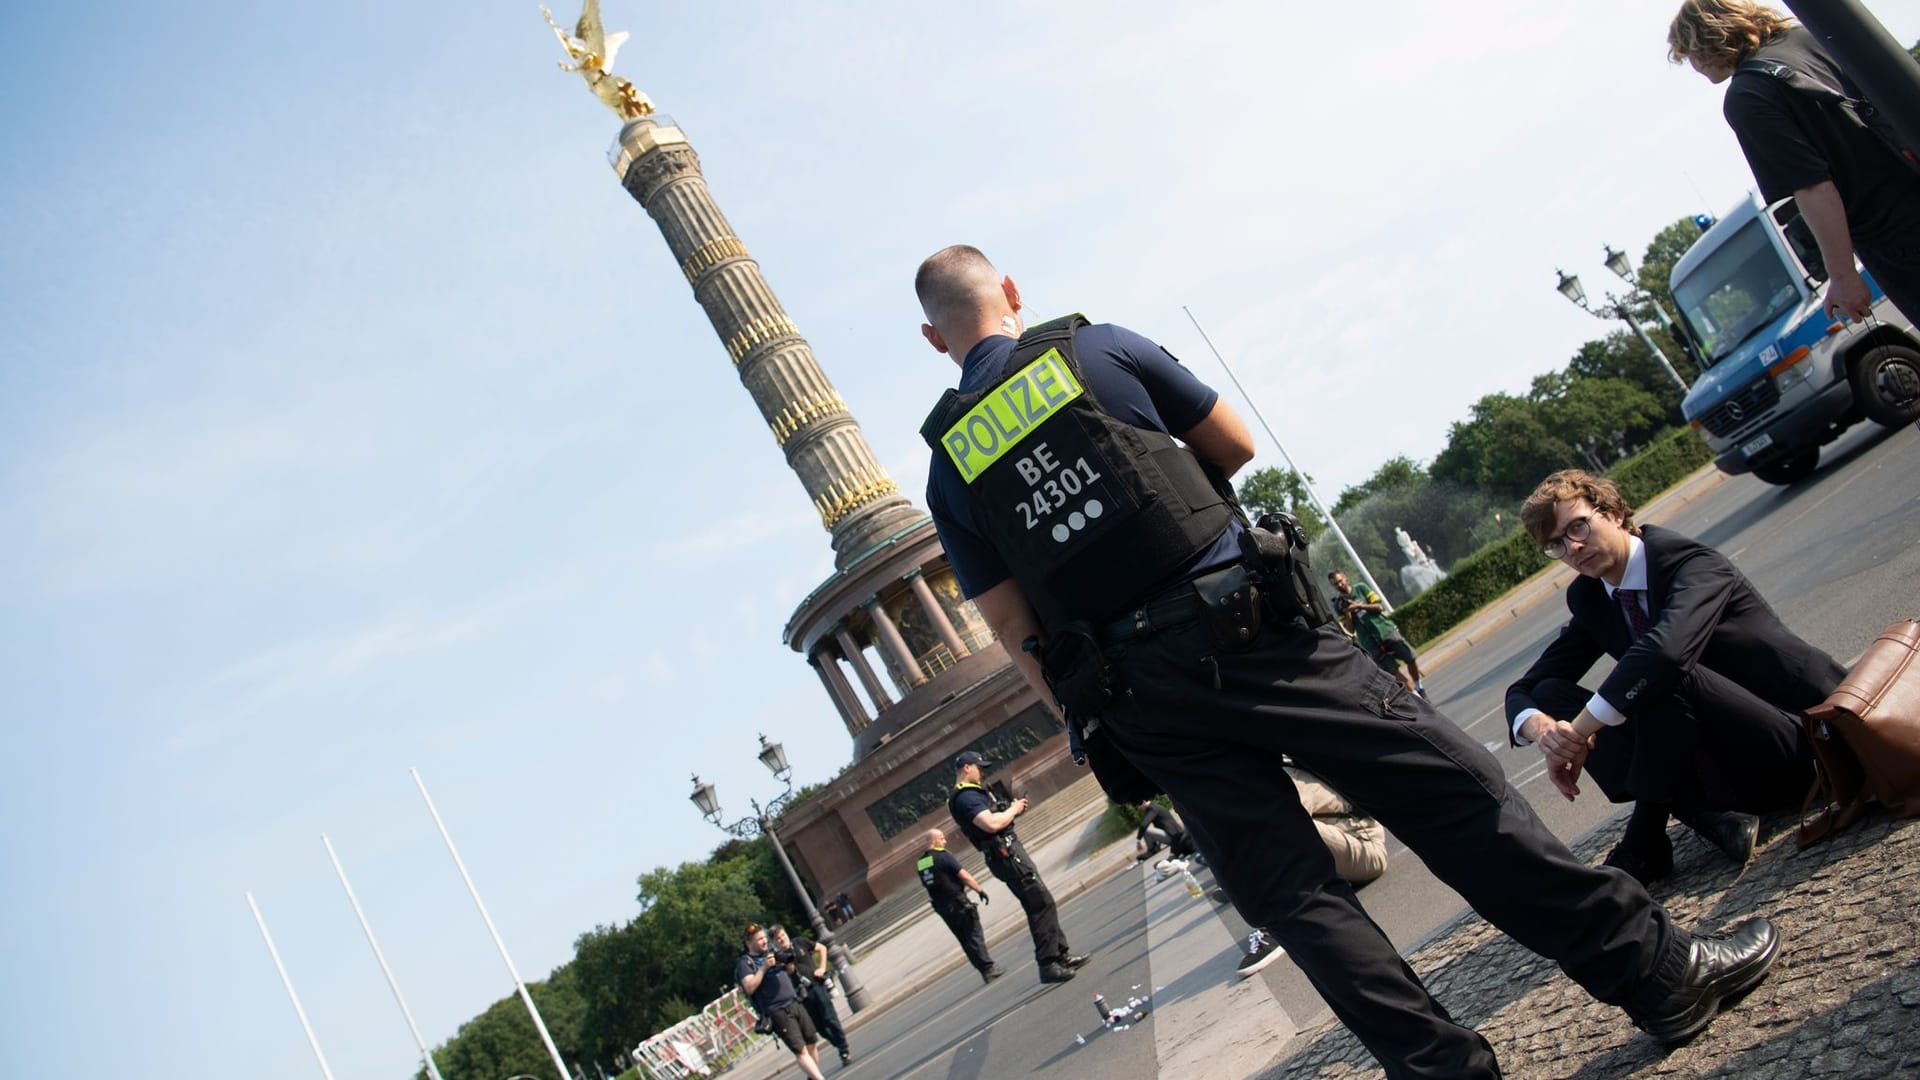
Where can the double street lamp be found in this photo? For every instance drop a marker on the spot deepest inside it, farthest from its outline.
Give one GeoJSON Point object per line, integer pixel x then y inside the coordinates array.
{"type": "Point", "coordinates": [1618, 308]}
{"type": "Point", "coordinates": [767, 820]}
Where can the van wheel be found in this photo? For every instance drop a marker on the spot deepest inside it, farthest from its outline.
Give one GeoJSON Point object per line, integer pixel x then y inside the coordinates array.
{"type": "Point", "coordinates": [1789, 470]}
{"type": "Point", "coordinates": [1886, 385]}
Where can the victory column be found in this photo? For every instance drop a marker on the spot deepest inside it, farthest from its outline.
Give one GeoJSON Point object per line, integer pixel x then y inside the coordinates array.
{"type": "Point", "coordinates": [893, 597]}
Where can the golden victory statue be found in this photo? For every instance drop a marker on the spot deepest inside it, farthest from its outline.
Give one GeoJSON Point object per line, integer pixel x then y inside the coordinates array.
{"type": "Point", "coordinates": [590, 51]}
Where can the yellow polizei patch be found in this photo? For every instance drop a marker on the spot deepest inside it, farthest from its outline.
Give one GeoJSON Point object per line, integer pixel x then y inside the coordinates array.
{"type": "Point", "coordinates": [1009, 414]}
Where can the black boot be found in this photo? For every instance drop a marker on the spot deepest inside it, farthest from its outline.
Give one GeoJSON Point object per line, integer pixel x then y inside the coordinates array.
{"type": "Point", "coordinates": [1719, 969]}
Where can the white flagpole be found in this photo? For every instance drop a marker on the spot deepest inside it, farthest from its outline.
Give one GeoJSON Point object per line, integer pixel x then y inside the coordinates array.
{"type": "Point", "coordinates": [288, 983]}
{"type": "Point", "coordinates": [433, 1071]}
{"type": "Point", "coordinates": [1304, 482]}
{"type": "Point", "coordinates": [526, 998]}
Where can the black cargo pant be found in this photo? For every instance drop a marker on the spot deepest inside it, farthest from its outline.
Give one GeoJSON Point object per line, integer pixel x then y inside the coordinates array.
{"type": "Point", "coordinates": [1209, 726]}
{"type": "Point", "coordinates": [1043, 921]}
{"type": "Point", "coordinates": [963, 919]}
{"type": "Point", "coordinates": [818, 1000]}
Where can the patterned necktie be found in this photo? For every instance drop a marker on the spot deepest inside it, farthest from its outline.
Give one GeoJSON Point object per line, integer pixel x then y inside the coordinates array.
{"type": "Point", "coordinates": [1630, 601]}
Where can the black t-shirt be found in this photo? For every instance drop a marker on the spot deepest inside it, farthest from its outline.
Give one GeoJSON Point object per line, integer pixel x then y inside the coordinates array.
{"type": "Point", "coordinates": [776, 987]}
{"type": "Point", "coordinates": [803, 962]}
{"type": "Point", "coordinates": [940, 873]}
{"type": "Point", "coordinates": [1793, 141]}
{"type": "Point", "coordinates": [1156, 817]}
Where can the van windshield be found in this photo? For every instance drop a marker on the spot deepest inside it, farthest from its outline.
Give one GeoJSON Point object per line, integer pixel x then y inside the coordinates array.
{"type": "Point", "coordinates": [1735, 292]}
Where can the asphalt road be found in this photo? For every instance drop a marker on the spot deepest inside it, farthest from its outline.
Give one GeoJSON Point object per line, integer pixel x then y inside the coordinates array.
{"type": "Point", "coordinates": [1836, 555]}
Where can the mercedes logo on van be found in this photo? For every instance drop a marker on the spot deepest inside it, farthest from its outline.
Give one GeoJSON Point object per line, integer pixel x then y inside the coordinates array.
{"type": "Point", "coordinates": [1735, 412]}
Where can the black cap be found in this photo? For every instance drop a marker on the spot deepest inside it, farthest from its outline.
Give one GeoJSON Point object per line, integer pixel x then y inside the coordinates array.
{"type": "Point", "coordinates": [969, 757]}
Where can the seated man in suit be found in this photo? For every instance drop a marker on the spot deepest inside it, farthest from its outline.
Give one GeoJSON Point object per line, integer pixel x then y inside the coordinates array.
{"type": "Point", "coordinates": [1698, 717]}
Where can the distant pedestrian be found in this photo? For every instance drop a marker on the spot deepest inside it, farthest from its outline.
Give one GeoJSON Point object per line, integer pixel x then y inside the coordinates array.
{"type": "Point", "coordinates": [1364, 615]}
{"type": "Point", "coordinates": [947, 885]}
{"type": "Point", "coordinates": [1158, 829]}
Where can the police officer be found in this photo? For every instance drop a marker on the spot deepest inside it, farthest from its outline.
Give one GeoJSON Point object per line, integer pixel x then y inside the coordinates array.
{"type": "Point", "coordinates": [947, 884]}
{"type": "Point", "coordinates": [1073, 518]}
{"type": "Point", "coordinates": [991, 831]}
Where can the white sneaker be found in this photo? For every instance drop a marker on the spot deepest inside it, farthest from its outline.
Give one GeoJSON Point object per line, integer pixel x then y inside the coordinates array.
{"type": "Point", "coordinates": [1261, 951]}
{"type": "Point", "coordinates": [1167, 868]}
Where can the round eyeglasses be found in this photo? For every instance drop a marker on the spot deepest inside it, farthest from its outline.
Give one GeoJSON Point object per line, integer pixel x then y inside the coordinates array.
{"type": "Point", "coordinates": [1577, 530]}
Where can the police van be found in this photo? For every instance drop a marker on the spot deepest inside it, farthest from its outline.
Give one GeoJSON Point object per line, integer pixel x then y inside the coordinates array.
{"type": "Point", "coordinates": [1781, 378]}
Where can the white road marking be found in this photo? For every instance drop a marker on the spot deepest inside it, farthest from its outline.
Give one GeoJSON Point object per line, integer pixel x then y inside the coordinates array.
{"type": "Point", "coordinates": [1218, 1025]}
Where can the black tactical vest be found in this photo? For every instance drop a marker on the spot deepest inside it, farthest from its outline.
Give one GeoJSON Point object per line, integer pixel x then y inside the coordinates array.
{"type": "Point", "coordinates": [1089, 512]}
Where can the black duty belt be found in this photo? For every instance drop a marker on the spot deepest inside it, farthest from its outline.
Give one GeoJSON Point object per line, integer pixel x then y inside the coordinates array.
{"type": "Point", "coordinates": [1170, 608]}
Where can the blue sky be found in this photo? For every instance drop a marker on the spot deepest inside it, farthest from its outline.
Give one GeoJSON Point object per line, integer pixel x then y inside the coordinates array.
{"type": "Point", "coordinates": [353, 418]}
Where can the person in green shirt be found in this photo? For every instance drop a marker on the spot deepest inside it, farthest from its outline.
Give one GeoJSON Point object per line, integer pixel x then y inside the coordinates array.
{"type": "Point", "coordinates": [1364, 615]}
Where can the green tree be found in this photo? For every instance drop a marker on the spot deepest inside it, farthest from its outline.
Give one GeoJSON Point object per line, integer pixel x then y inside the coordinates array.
{"type": "Point", "coordinates": [1663, 251]}
{"type": "Point", "coordinates": [1604, 419]}
{"type": "Point", "coordinates": [1503, 448]}
{"type": "Point", "coordinates": [1396, 472]}
{"type": "Point", "coordinates": [502, 1041]}
{"type": "Point", "coordinates": [1274, 490]}
{"type": "Point", "coordinates": [1447, 520]}
{"type": "Point", "coordinates": [1620, 355]}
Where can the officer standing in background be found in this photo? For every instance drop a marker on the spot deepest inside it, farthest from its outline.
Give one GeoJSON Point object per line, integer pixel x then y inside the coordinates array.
{"type": "Point", "coordinates": [947, 883]}
{"type": "Point", "coordinates": [991, 831]}
{"type": "Point", "coordinates": [1111, 556]}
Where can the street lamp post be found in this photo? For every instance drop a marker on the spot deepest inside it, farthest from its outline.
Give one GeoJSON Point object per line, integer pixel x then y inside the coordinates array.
{"type": "Point", "coordinates": [767, 820]}
{"type": "Point", "coordinates": [1616, 308]}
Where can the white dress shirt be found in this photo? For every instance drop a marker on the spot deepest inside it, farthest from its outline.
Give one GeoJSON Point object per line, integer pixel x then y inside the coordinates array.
{"type": "Point", "coordinates": [1634, 578]}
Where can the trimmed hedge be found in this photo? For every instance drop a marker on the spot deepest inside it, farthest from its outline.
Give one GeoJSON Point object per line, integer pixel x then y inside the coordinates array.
{"type": "Point", "coordinates": [1491, 572]}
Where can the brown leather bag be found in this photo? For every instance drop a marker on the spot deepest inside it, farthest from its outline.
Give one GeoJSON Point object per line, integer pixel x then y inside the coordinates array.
{"type": "Point", "coordinates": [1866, 737]}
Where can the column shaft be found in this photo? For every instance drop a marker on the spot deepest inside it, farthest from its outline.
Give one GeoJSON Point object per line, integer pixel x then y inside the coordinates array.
{"type": "Point", "coordinates": [858, 659]}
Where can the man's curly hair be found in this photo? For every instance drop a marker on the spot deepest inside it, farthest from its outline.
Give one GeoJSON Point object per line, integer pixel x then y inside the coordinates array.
{"type": "Point", "coordinates": [1537, 515]}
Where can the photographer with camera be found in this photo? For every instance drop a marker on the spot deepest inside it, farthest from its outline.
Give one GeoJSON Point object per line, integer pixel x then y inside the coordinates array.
{"type": "Point", "coordinates": [988, 823]}
{"type": "Point", "coordinates": [766, 982]}
{"type": "Point", "coordinates": [806, 962]}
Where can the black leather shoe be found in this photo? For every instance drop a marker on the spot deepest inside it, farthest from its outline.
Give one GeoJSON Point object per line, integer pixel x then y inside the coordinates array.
{"type": "Point", "coordinates": [1719, 969]}
{"type": "Point", "coordinates": [1732, 833]}
{"type": "Point", "coordinates": [1647, 860]}
{"type": "Point", "coordinates": [1055, 973]}
{"type": "Point", "coordinates": [1073, 961]}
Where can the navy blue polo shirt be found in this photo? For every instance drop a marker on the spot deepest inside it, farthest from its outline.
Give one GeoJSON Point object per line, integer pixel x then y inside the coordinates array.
{"type": "Point", "coordinates": [776, 987]}
{"type": "Point", "coordinates": [967, 804]}
{"type": "Point", "coordinates": [1135, 381]}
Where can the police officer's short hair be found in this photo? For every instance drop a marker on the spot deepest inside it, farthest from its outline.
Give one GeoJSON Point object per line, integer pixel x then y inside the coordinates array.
{"type": "Point", "coordinates": [951, 281]}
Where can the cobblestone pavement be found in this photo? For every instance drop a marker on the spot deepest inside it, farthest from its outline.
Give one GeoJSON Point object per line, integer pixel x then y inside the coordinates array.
{"type": "Point", "coordinates": [1843, 1000]}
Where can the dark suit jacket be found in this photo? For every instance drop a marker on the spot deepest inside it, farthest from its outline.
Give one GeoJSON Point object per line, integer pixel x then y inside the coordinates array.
{"type": "Point", "coordinates": [1706, 614]}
